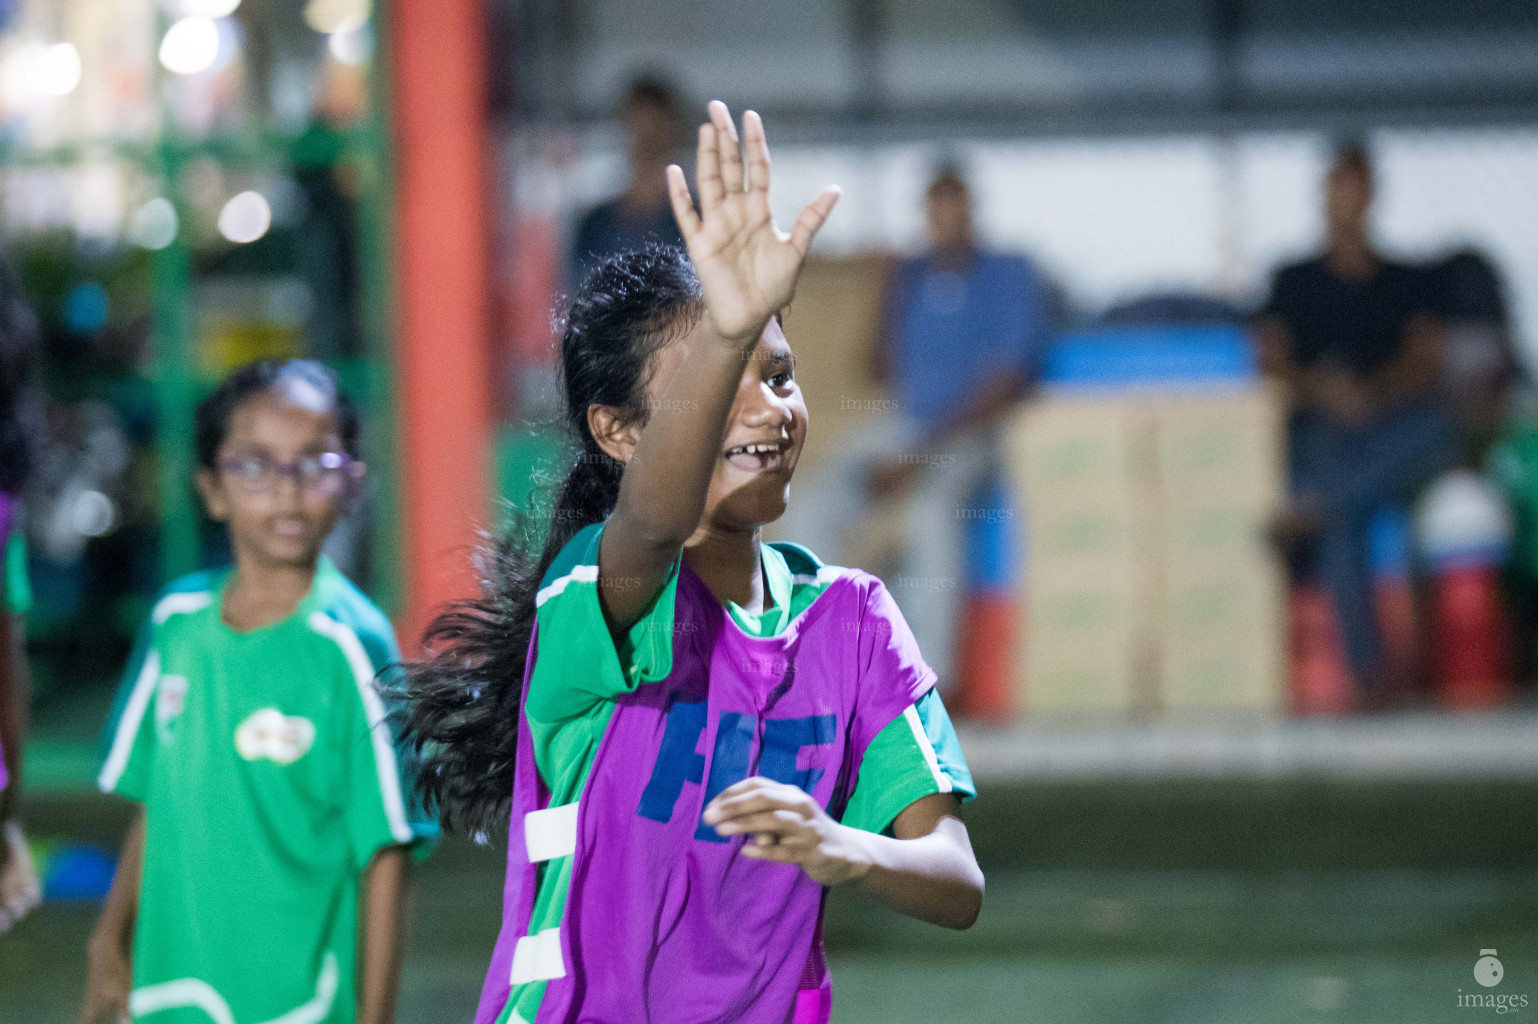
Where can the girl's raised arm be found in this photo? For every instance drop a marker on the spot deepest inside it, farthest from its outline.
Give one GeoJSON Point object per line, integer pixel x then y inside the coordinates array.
{"type": "Point", "coordinates": [747, 269]}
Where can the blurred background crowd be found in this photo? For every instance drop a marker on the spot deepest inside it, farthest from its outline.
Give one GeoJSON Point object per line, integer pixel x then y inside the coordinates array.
{"type": "Point", "coordinates": [1171, 362]}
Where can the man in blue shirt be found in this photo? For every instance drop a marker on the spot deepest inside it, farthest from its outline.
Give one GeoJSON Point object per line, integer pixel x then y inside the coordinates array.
{"type": "Point", "coordinates": [962, 330]}
{"type": "Point", "coordinates": [641, 213]}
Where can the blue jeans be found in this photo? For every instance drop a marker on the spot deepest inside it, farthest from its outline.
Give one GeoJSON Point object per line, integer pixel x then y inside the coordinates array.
{"type": "Point", "coordinates": [1346, 473]}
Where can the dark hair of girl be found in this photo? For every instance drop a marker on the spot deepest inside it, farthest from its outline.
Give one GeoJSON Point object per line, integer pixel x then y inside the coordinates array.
{"type": "Point", "coordinates": [212, 422]}
{"type": "Point", "coordinates": [462, 703]}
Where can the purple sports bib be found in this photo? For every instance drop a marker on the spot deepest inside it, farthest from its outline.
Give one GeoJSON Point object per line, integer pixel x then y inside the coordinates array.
{"type": "Point", "coordinates": [666, 922]}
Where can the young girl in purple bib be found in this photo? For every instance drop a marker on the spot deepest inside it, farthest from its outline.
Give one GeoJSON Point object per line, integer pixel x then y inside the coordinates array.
{"type": "Point", "coordinates": [691, 734]}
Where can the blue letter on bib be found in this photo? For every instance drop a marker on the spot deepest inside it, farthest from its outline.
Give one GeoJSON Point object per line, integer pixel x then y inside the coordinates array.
{"type": "Point", "coordinates": [783, 740]}
{"type": "Point", "coordinates": [677, 763]}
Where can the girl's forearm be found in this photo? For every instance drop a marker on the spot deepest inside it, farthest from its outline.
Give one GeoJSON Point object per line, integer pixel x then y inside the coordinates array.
{"type": "Point", "coordinates": [663, 490]}
{"type": "Point", "coordinates": [933, 878]}
{"type": "Point", "coordinates": [114, 928]}
{"type": "Point", "coordinates": [382, 940]}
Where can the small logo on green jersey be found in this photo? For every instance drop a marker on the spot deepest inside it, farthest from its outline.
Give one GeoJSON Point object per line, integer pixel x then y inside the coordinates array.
{"type": "Point", "coordinates": [272, 735]}
{"type": "Point", "coordinates": [170, 697]}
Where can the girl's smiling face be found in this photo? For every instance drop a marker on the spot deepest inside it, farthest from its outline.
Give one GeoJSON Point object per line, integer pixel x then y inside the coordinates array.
{"type": "Point", "coordinates": [280, 517]}
{"type": "Point", "coordinates": [765, 430]}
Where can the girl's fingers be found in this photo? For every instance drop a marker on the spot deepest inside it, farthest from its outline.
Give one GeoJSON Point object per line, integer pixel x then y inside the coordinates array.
{"type": "Point", "coordinates": [757, 145]}
{"type": "Point", "coordinates": [774, 853]}
{"type": "Point", "coordinates": [708, 168]}
{"type": "Point", "coordinates": [683, 205]}
{"type": "Point", "coordinates": [812, 218]}
{"type": "Point", "coordinates": [724, 807]}
{"type": "Point", "coordinates": [727, 149]}
{"type": "Point", "coordinates": [780, 853]}
{"type": "Point", "coordinates": [747, 785]}
{"type": "Point", "coordinates": [777, 822]}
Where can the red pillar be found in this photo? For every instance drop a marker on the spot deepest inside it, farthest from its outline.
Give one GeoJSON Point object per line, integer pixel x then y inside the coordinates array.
{"type": "Point", "coordinates": [438, 77]}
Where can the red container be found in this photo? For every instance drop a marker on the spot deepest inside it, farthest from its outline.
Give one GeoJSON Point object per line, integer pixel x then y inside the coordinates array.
{"type": "Point", "coordinates": [985, 657]}
{"type": "Point", "coordinates": [1395, 600]}
{"type": "Point", "coordinates": [1470, 637]}
{"type": "Point", "coordinates": [1321, 682]}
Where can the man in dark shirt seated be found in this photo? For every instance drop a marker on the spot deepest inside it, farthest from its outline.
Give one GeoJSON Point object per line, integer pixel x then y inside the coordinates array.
{"type": "Point", "coordinates": [642, 213]}
{"type": "Point", "coordinates": [1352, 338]}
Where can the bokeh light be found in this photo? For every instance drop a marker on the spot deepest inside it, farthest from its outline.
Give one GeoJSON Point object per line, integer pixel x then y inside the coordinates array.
{"type": "Point", "coordinates": [352, 47]}
{"type": "Point", "coordinates": [208, 8]}
{"type": "Point", "coordinates": [245, 218]}
{"type": "Point", "coordinates": [191, 45]}
{"type": "Point", "coordinates": [332, 16]}
{"type": "Point", "coordinates": [38, 70]}
{"type": "Point", "coordinates": [153, 225]}
{"type": "Point", "coordinates": [58, 69]}
{"type": "Point", "coordinates": [85, 308]}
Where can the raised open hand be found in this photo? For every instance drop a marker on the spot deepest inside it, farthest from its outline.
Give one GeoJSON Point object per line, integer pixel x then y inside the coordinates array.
{"type": "Point", "coordinates": [747, 265]}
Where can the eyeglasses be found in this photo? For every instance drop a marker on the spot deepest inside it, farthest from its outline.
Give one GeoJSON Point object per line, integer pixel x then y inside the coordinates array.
{"type": "Point", "coordinates": [325, 473]}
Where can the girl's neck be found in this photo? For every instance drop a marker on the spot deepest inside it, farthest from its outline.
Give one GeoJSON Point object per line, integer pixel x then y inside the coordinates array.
{"type": "Point", "coordinates": [730, 565]}
{"type": "Point", "coordinates": [260, 594]}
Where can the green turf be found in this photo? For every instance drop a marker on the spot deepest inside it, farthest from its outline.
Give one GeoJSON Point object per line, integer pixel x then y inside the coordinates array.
{"type": "Point", "coordinates": [1123, 937]}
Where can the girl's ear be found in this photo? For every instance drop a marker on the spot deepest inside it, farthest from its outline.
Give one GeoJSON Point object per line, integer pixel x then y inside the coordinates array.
{"type": "Point", "coordinates": [613, 433]}
{"type": "Point", "coordinates": [213, 495]}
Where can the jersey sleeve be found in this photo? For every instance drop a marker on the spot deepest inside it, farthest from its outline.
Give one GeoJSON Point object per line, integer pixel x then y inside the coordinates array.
{"type": "Point", "coordinates": [893, 672]}
{"type": "Point", "coordinates": [381, 810]}
{"type": "Point", "coordinates": [579, 662]}
{"type": "Point", "coordinates": [128, 742]}
{"type": "Point", "coordinates": [915, 756]}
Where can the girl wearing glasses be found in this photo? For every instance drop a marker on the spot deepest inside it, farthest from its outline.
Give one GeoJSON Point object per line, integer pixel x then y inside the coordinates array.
{"type": "Point", "coordinates": [689, 734]}
{"type": "Point", "coordinates": [274, 812]}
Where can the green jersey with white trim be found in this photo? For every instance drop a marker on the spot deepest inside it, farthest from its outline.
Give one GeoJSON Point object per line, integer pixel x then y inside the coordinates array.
{"type": "Point", "coordinates": [580, 670]}
{"type": "Point", "coordinates": [270, 778]}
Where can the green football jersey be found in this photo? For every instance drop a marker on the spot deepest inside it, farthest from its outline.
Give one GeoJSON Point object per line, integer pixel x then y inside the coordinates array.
{"type": "Point", "coordinates": [269, 777]}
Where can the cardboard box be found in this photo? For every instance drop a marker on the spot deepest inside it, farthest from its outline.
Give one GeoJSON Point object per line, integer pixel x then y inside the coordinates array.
{"type": "Point", "coordinates": [1086, 451]}
{"type": "Point", "coordinates": [831, 326]}
{"type": "Point", "coordinates": [1082, 651]}
{"type": "Point", "coordinates": [1222, 637]}
{"type": "Point", "coordinates": [1080, 468]}
{"type": "Point", "coordinates": [1228, 445]}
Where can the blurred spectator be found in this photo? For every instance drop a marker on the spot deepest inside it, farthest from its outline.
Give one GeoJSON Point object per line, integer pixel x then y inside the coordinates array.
{"type": "Point", "coordinates": [1353, 338]}
{"type": "Point", "coordinates": [961, 331]}
{"type": "Point", "coordinates": [1479, 359]}
{"type": "Point", "coordinates": [642, 213]}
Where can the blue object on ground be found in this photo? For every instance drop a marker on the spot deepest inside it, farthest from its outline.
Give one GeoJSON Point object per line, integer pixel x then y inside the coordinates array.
{"type": "Point", "coordinates": [990, 539]}
{"type": "Point", "coordinates": [1139, 356]}
{"type": "Point", "coordinates": [78, 872]}
{"type": "Point", "coordinates": [1388, 543]}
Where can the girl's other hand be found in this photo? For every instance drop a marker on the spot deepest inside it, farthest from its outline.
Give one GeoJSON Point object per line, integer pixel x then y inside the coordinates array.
{"type": "Point", "coordinates": [20, 890]}
{"type": "Point", "coordinates": [789, 827]}
{"type": "Point", "coordinates": [747, 265]}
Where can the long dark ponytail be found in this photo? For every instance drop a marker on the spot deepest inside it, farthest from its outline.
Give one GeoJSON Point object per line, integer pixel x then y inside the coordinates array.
{"type": "Point", "coordinates": [461, 704]}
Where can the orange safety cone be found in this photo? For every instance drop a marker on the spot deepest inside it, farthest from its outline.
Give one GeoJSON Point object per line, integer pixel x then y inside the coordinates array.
{"type": "Point", "coordinates": [1321, 682]}
{"type": "Point", "coordinates": [1471, 637]}
{"type": "Point", "coordinates": [985, 657]}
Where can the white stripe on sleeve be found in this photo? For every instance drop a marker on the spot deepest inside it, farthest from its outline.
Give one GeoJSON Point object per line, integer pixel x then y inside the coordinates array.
{"type": "Point", "coordinates": [128, 724]}
{"type": "Point", "coordinates": [578, 574]}
{"type": "Point", "coordinates": [942, 780]}
{"type": "Point", "coordinates": [384, 752]}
